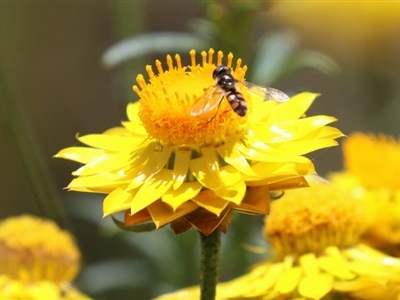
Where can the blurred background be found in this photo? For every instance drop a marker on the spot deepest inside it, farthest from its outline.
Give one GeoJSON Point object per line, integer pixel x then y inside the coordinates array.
{"type": "Point", "coordinates": [68, 67]}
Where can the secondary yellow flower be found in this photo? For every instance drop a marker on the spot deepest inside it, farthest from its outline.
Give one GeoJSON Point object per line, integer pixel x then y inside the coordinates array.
{"type": "Point", "coordinates": [367, 26]}
{"type": "Point", "coordinates": [372, 169]}
{"type": "Point", "coordinates": [37, 260]}
{"type": "Point", "coordinates": [167, 166]}
{"type": "Point", "coordinates": [314, 234]}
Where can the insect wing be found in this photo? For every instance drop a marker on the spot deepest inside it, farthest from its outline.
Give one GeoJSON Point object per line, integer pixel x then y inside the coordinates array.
{"type": "Point", "coordinates": [212, 96]}
{"type": "Point", "coordinates": [266, 93]}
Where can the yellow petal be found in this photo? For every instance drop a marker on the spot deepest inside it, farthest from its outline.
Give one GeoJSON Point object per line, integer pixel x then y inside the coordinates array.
{"type": "Point", "coordinates": [233, 193]}
{"type": "Point", "coordinates": [102, 180]}
{"type": "Point", "coordinates": [132, 110]}
{"type": "Point", "coordinates": [181, 167]}
{"type": "Point", "coordinates": [315, 286]}
{"type": "Point", "coordinates": [188, 190]}
{"type": "Point", "coordinates": [157, 160]}
{"type": "Point", "coordinates": [309, 264]}
{"type": "Point", "coordinates": [336, 266]}
{"type": "Point", "coordinates": [211, 202]}
{"type": "Point", "coordinates": [162, 213]}
{"type": "Point", "coordinates": [136, 128]}
{"type": "Point", "coordinates": [206, 170]}
{"type": "Point", "coordinates": [285, 131]}
{"type": "Point", "coordinates": [111, 142]}
{"type": "Point", "coordinates": [152, 190]}
{"type": "Point", "coordinates": [288, 280]}
{"type": "Point", "coordinates": [304, 147]}
{"type": "Point", "coordinates": [232, 156]}
{"type": "Point", "coordinates": [82, 155]}
{"type": "Point", "coordinates": [292, 109]}
{"type": "Point", "coordinates": [117, 200]}
{"type": "Point", "coordinates": [106, 163]}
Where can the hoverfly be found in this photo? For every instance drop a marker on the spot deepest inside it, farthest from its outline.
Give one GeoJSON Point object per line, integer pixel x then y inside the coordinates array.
{"type": "Point", "coordinates": [227, 86]}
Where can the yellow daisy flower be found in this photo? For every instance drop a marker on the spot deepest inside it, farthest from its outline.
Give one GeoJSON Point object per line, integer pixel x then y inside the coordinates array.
{"type": "Point", "coordinates": [314, 234]}
{"type": "Point", "coordinates": [372, 169]}
{"type": "Point", "coordinates": [166, 165]}
{"type": "Point", "coordinates": [37, 260]}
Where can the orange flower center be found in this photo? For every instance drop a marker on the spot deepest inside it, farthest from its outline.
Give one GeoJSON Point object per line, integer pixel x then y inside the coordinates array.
{"type": "Point", "coordinates": [166, 101]}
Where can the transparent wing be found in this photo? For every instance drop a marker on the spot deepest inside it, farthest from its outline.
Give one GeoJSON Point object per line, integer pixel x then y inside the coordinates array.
{"type": "Point", "coordinates": [265, 92]}
{"type": "Point", "coordinates": [207, 102]}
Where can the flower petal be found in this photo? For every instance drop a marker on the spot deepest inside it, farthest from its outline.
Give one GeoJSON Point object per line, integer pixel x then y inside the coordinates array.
{"type": "Point", "coordinates": [256, 201]}
{"type": "Point", "coordinates": [315, 286]}
{"type": "Point", "coordinates": [232, 156]}
{"type": "Point", "coordinates": [140, 217]}
{"type": "Point", "coordinates": [181, 167]}
{"type": "Point", "coordinates": [205, 221]}
{"type": "Point", "coordinates": [206, 170]}
{"type": "Point", "coordinates": [292, 109]}
{"type": "Point", "coordinates": [117, 200]}
{"type": "Point", "coordinates": [288, 280]}
{"type": "Point", "coordinates": [83, 155]}
{"type": "Point", "coordinates": [111, 142]}
{"type": "Point", "coordinates": [162, 213]}
{"type": "Point", "coordinates": [210, 202]}
{"type": "Point", "coordinates": [188, 190]}
{"type": "Point", "coordinates": [152, 190]}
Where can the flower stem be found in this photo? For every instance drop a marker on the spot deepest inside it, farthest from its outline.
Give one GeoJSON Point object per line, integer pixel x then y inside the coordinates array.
{"type": "Point", "coordinates": [210, 251]}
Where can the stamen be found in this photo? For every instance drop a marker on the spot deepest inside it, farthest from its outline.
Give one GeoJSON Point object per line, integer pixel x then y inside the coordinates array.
{"type": "Point", "coordinates": [238, 63]}
{"type": "Point", "coordinates": [149, 71]}
{"type": "Point", "coordinates": [220, 56]}
{"type": "Point", "coordinates": [140, 80]}
{"type": "Point", "coordinates": [137, 91]}
{"type": "Point", "coordinates": [193, 58]}
{"type": "Point", "coordinates": [178, 61]}
{"type": "Point", "coordinates": [170, 63]}
{"type": "Point", "coordinates": [204, 57]}
{"type": "Point", "coordinates": [230, 57]}
{"type": "Point", "coordinates": [210, 55]}
{"type": "Point", "coordinates": [159, 67]}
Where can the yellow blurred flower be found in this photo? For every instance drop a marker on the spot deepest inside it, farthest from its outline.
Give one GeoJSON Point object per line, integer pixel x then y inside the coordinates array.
{"type": "Point", "coordinates": [372, 169]}
{"type": "Point", "coordinates": [345, 26]}
{"type": "Point", "coordinates": [37, 260]}
{"type": "Point", "coordinates": [314, 234]}
{"type": "Point", "coordinates": [167, 166]}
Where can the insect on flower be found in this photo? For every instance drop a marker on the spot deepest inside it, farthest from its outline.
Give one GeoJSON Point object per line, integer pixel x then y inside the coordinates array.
{"type": "Point", "coordinates": [227, 86]}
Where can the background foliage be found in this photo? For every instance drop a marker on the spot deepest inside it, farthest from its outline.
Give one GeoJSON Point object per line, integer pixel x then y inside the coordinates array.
{"type": "Point", "coordinates": [68, 68]}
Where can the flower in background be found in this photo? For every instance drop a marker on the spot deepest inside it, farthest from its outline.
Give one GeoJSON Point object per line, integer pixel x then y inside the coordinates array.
{"type": "Point", "coordinates": [365, 27]}
{"type": "Point", "coordinates": [314, 235]}
{"type": "Point", "coordinates": [372, 169]}
{"type": "Point", "coordinates": [167, 166]}
{"type": "Point", "coordinates": [38, 260]}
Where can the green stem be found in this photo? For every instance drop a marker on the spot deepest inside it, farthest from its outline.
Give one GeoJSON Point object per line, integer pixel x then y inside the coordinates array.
{"type": "Point", "coordinates": [210, 252]}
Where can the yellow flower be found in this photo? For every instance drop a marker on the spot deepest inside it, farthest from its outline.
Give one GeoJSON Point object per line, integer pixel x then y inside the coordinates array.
{"type": "Point", "coordinates": [37, 260]}
{"type": "Point", "coordinates": [167, 166]}
{"type": "Point", "coordinates": [372, 169]}
{"type": "Point", "coordinates": [343, 25]}
{"type": "Point", "coordinates": [314, 234]}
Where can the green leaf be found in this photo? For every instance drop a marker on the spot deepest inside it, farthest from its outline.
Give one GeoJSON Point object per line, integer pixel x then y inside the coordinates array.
{"type": "Point", "coordinates": [314, 60]}
{"type": "Point", "coordinates": [136, 228]}
{"type": "Point", "coordinates": [272, 54]}
{"type": "Point", "coordinates": [150, 43]}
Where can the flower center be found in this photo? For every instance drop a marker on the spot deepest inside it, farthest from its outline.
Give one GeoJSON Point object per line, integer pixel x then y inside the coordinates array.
{"type": "Point", "coordinates": [311, 219]}
{"type": "Point", "coordinates": [32, 249]}
{"type": "Point", "coordinates": [168, 97]}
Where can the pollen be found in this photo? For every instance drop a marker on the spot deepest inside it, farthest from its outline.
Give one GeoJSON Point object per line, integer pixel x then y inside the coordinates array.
{"type": "Point", "coordinates": [311, 219]}
{"type": "Point", "coordinates": [168, 94]}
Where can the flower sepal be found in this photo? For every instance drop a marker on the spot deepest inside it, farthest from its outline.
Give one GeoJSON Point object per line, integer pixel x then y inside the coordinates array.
{"type": "Point", "coordinates": [144, 227]}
